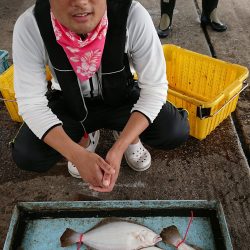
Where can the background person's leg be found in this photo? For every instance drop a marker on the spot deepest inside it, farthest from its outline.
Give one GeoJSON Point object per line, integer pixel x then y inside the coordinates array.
{"type": "Point", "coordinates": [208, 6]}
{"type": "Point", "coordinates": [167, 9]}
{"type": "Point", "coordinates": [209, 15]}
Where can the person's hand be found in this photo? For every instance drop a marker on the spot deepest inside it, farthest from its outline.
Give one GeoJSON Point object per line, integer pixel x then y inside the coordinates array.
{"type": "Point", "coordinates": [92, 167]}
{"type": "Point", "coordinates": [113, 158]}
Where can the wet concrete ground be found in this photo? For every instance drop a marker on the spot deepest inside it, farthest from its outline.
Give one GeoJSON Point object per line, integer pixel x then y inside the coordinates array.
{"type": "Point", "coordinates": [215, 168]}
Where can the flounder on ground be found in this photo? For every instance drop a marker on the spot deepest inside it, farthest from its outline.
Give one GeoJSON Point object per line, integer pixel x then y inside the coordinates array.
{"type": "Point", "coordinates": [113, 234]}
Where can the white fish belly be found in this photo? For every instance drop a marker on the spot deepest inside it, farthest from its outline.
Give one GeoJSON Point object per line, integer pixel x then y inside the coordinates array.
{"type": "Point", "coordinates": [115, 236]}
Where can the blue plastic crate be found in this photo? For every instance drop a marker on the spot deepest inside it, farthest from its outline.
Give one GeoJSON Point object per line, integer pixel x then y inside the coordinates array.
{"type": "Point", "coordinates": [39, 225]}
{"type": "Point", "coordinates": [4, 55]}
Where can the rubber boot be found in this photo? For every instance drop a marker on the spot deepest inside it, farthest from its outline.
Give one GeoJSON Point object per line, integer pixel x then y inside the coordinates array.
{"type": "Point", "coordinates": [167, 9]}
{"type": "Point", "coordinates": [209, 16]}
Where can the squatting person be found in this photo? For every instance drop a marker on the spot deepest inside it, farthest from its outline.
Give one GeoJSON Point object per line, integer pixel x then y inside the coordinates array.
{"type": "Point", "coordinates": [89, 46]}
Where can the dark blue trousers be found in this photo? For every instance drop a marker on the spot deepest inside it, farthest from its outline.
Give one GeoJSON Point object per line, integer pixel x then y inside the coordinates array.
{"type": "Point", "coordinates": [169, 129]}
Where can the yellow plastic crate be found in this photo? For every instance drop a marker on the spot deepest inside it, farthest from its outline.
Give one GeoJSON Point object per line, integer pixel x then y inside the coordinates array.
{"type": "Point", "coordinates": [7, 90]}
{"type": "Point", "coordinates": [208, 88]}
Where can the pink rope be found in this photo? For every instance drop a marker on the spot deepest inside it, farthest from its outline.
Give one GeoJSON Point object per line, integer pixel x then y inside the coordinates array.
{"type": "Point", "coordinates": [80, 242]}
{"type": "Point", "coordinates": [189, 224]}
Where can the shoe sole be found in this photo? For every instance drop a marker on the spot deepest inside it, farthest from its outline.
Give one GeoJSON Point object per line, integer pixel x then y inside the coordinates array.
{"type": "Point", "coordinates": [74, 175]}
{"type": "Point", "coordinates": [204, 25]}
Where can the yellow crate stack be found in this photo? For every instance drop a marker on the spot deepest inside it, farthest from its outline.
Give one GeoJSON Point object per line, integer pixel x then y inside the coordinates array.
{"type": "Point", "coordinates": [8, 93]}
{"type": "Point", "coordinates": [7, 90]}
{"type": "Point", "coordinates": [207, 87]}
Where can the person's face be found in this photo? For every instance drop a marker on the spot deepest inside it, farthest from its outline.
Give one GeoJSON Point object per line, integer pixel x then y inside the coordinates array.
{"type": "Point", "coordinates": [79, 16]}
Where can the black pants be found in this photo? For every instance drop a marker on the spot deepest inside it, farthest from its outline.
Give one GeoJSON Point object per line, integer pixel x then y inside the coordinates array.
{"type": "Point", "coordinates": [169, 129]}
{"type": "Point", "coordinates": [207, 7]}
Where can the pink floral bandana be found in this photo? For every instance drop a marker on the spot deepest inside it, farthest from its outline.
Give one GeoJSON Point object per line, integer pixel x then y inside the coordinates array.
{"type": "Point", "coordinates": [84, 55]}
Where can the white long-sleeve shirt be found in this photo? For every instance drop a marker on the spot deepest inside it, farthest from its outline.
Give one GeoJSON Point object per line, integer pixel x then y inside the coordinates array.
{"type": "Point", "coordinates": [30, 57]}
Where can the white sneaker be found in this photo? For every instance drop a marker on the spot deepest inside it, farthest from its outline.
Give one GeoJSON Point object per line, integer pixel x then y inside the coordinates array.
{"type": "Point", "coordinates": [94, 139]}
{"type": "Point", "coordinates": [136, 155]}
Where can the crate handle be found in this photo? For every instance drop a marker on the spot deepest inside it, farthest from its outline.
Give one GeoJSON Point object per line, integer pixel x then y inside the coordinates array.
{"type": "Point", "coordinates": [7, 100]}
{"type": "Point", "coordinates": [203, 113]}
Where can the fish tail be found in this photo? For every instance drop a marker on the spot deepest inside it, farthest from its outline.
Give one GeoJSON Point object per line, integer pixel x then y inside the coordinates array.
{"type": "Point", "coordinates": [171, 235]}
{"type": "Point", "coordinates": [69, 237]}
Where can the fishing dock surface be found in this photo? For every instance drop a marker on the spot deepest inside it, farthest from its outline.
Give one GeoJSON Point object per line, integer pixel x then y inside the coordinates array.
{"type": "Point", "coordinates": [216, 168]}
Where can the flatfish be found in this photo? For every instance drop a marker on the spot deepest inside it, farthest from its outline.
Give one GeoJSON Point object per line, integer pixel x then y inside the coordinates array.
{"type": "Point", "coordinates": [113, 234]}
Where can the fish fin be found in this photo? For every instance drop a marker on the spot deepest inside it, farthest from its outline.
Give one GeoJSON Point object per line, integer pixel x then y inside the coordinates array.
{"type": "Point", "coordinates": [171, 235]}
{"type": "Point", "coordinates": [104, 222]}
{"type": "Point", "coordinates": [69, 237]}
{"type": "Point", "coordinates": [108, 220]}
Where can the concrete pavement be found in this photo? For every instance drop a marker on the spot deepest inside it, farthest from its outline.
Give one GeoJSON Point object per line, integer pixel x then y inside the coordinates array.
{"type": "Point", "coordinates": [215, 168]}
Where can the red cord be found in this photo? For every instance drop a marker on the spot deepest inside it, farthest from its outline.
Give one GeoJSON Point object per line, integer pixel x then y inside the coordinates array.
{"type": "Point", "coordinates": [86, 136]}
{"type": "Point", "coordinates": [189, 224]}
{"type": "Point", "coordinates": [80, 242]}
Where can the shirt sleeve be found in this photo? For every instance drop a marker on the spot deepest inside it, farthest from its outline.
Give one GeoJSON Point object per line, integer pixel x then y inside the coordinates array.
{"type": "Point", "coordinates": [29, 57]}
{"type": "Point", "coordinates": [148, 60]}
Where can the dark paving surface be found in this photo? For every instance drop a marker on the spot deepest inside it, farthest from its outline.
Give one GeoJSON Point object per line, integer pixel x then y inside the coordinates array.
{"type": "Point", "coordinates": [215, 168]}
{"type": "Point", "coordinates": [233, 46]}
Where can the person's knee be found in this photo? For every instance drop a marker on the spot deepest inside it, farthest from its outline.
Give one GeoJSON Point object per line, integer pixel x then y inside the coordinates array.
{"type": "Point", "coordinates": [182, 134]}
{"type": "Point", "coordinates": [176, 135]}
{"type": "Point", "coordinates": [25, 160]}
{"type": "Point", "coordinates": [181, 131]}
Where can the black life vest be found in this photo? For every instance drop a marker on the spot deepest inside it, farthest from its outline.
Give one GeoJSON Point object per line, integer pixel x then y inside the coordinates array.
{"type": "Point", "coordinates": [116, 87]}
